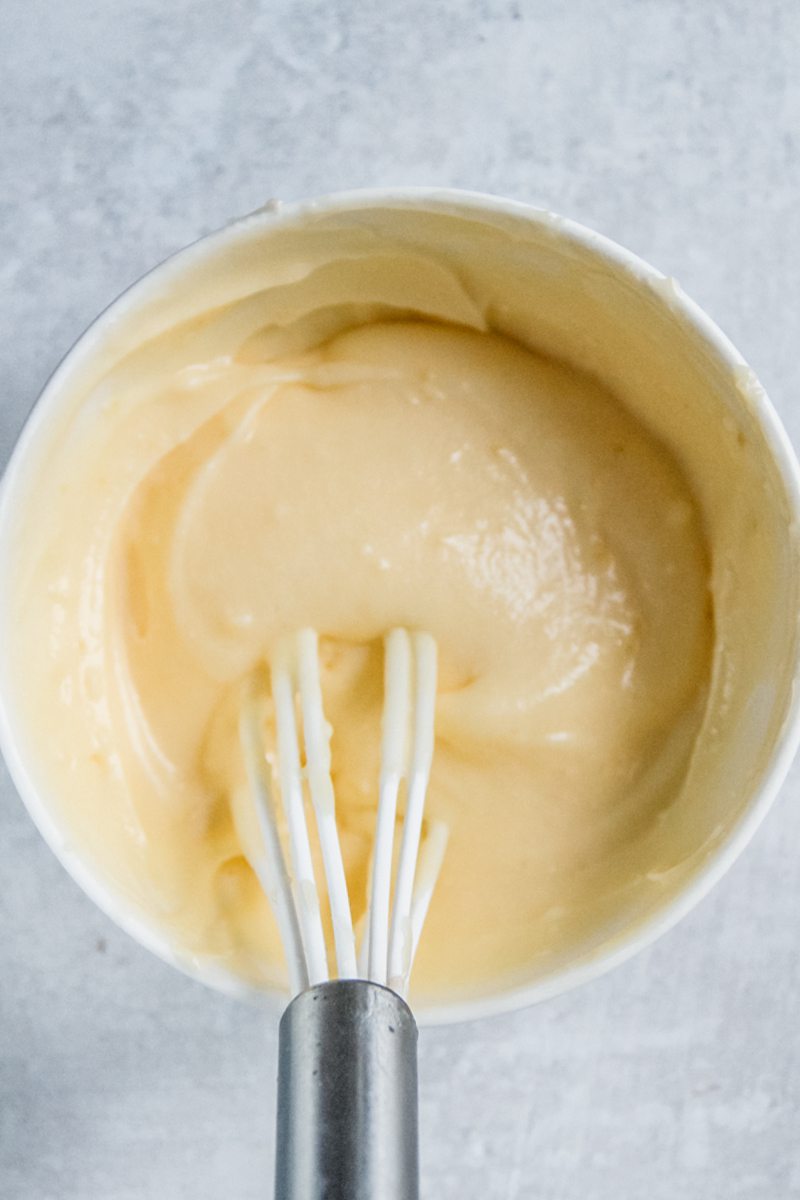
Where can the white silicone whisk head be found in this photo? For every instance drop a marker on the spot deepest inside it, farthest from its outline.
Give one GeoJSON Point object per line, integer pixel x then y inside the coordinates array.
{"type": "Point", "coordinates": [398, 899]}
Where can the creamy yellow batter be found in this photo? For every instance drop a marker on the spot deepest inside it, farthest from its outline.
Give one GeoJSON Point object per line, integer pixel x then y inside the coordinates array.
{"type": "Point", "coordinates": [407, 473]}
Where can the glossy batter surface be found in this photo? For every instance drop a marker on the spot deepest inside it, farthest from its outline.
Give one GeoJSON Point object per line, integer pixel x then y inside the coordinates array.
{"type": "Point", "coordinates": [405, 473]}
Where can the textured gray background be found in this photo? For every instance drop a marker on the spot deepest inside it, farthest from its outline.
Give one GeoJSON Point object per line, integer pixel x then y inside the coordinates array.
{"type": "Point", "coordinates": [127, 129]}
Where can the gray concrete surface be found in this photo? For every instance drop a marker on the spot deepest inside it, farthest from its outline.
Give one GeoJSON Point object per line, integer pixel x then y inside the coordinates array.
{"type": "Point", "coordinates": [127, 129]}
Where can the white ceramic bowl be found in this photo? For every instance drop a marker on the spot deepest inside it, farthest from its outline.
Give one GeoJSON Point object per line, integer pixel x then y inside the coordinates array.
{"type": "Point", "coordinates": [572, 292]}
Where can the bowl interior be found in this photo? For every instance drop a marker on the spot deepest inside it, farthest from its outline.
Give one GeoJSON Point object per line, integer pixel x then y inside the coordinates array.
{"type": "Point", "coordinates": [563, 292]}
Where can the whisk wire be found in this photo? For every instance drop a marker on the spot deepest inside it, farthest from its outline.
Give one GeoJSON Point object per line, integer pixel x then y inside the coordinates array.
{"type": "Point", "coordinates": [291, 781]}
{"type": "Point", "coordinates": [318, 770]}
{"type": "Point", "coordinates": [391, 930]}
{"type": "Point", "coordinates": [400, 934]}
{"type": "Point", "coordinates": [396, 708]}
{"type": "Point", "coordinates": [429, 866]}
{"type": "Point", "coordinates": [271, 869]}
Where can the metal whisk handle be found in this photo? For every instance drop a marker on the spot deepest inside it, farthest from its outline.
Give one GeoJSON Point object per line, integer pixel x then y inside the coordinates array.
{"type": "Point", "coordinates": [347, 1095]}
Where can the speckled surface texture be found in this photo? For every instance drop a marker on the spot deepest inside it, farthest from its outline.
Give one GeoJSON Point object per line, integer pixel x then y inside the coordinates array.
{"type": "Point", "coordinates": [128, 129]}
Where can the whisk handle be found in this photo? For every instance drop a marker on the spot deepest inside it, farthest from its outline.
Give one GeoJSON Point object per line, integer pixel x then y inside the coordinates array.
{"type": "Point", "coordinates": [347, 1095]}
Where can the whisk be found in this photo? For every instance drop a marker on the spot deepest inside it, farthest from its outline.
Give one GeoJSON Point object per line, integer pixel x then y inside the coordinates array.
{"type": "Point", "coordinates": [347, 1068]}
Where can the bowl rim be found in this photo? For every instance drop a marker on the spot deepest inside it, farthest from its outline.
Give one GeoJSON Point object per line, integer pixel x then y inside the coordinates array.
{"type": "Point", "coordinates": [456, 202]}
